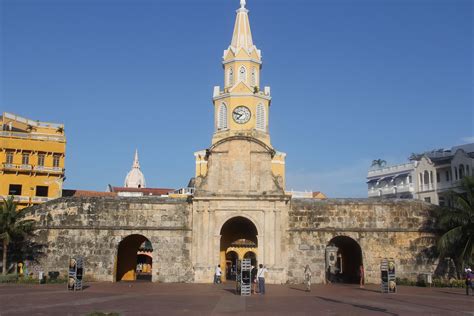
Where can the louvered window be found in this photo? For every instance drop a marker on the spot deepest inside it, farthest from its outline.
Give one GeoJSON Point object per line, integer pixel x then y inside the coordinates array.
{"type": "Point", "coordinates": [253, 77]}
{"type": "Point", "coordinates": [261, 122]}
{"type": "Point", "coordinates": [231, 77]}
{"type": "Point", "coordinates": [242, 74]}
{"type": "Point", "coordinates": [222, 117]}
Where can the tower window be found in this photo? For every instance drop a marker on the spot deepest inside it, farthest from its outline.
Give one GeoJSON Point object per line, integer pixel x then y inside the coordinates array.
{"type": "Point", "coordinates": [261, 117]}
{"type": "Point", "coordinates": [230, 77]}
{"type": "Point", "coordinates": [242, 74]}
{"type": "Point", "coordinates": [222, 117]}
{"type": "Point", "coordinates": [253, 80]}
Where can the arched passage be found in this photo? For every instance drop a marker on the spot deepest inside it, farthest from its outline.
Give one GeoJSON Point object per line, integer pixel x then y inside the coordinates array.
{"type": "Point", "coordinates": [134, 259]}
{"type": "Point", "coordinates": [238, 236]}
{"type": "Point", "coordinates": [348, 260]}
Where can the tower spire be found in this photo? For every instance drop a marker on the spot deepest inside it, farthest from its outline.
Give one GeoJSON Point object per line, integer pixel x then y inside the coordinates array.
{"type": "Point", "coordinates": [136, 163]}
{"type": "Point", "coordinates": [242, 36]}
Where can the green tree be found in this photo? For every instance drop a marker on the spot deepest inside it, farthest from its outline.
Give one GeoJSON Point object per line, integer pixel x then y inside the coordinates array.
{"type": "Point", "coordinates": [378, 163]}
{"type": "Point", "coordinates": [13, 225]}
{"type": "Point", "coordinates": [456, 224]}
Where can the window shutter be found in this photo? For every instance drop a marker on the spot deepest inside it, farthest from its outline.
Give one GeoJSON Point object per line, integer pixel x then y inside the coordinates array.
{"type": "Point", "coordinates": [261, 117]}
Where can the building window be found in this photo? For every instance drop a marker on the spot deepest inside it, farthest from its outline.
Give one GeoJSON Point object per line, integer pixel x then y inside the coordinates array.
{"type": "Point", "coordinates": [409, 179]}
{"type": "Point", "coordinates": [14, 189]}
{"type": "Point", "coordinates": [442, 201]}
{"type": "Point", "coordinates": [41, 160]}
{"type": "Point", "coordinates": [242, 74]}
{"type": "Point", "coordinates": [222, 117]}
{"type": "Point", "coordinates": [467, 170]}
{"type": "Point", "coordinates": [261, 117]}
{"type": "Point", "coordinates": [231, 77]}
{"type": "Point", "coordinates": [447, 175]}
{"type": "Point", "coordinates": [428, 199]}
{"type": "Point", "coordinates": [438, 178]}
{"type": "Point", "coordinates": [9, 159]}
{"type": "Point", "coordinates": [25, 159]}
{"type": "Point", "coordinates": [455, 173]}
{"type": "Point", "coordinates": [56, 161]}
{"type": "Point", "coordinates": [253, 77]}
{"type": "Point", "coordinates": [461, 171]}
{"type": "Point", "coordinates": [41, 190]}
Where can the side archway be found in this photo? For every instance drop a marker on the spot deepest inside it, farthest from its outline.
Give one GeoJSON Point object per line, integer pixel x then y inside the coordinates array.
{"type": "Point", "coordinates": [134, 259]}
{"type": "Point", "coordinates": [347, 262]}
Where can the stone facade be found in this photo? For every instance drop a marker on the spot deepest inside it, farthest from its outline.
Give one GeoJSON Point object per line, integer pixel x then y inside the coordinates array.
{"type": "Point", "coordinates": [399, 229]}
{"type": "Point", "coordinates": [94, 227]}
{"type": "Point", "coordinates": [186, 234]}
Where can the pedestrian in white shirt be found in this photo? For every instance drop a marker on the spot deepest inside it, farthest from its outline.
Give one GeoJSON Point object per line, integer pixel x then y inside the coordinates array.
{"type": "Point", "coordinates": [261, 278]}
{"type": "Point", "coordinates": [217, 274]}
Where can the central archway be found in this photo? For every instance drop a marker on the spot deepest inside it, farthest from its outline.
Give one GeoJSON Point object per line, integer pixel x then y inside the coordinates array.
{"type": "Point", "coordinates": [348, 260]}
{"type": "Point", "coordinates": [134, 259]}
{"type": "Point", "coordinates": [238, 238]}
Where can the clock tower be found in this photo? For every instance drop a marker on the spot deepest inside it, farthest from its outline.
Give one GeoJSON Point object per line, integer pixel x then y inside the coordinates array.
{"type": "Point", "coordinates": [241, 120]}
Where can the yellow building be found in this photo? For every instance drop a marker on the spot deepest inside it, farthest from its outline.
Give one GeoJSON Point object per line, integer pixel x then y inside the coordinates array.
{"type": "Point", "coordinates": [31, 159]}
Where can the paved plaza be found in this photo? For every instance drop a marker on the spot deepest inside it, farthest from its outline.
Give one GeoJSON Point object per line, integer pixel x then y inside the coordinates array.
{"type": "Point", "coordinates": [141, 298]}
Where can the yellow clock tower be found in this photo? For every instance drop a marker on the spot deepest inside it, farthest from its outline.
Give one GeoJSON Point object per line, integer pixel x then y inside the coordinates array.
{"type": "Point", "coordinates": [241, 107]}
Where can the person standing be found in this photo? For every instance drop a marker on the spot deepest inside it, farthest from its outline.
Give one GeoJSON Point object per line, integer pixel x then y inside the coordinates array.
{"type": "Point", "coordinates": [469, 277]}
{"type": "Point", "coordinates": [261, 278]}
{"type": "Point", "coordinates": [254, 279]}
{"type": "Point", "coordinates": [307, 278]}
{"type": "Point", "coordinates": [362, 276]}
{"type": "Point", "coordinates": [217, 274]}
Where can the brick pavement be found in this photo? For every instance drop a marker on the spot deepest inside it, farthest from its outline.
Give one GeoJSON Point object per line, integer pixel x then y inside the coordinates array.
{"type": "Point", "coordinates": [143, 298]}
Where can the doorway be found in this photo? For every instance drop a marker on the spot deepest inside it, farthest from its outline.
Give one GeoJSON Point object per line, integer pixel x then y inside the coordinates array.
{"type": "Point", "coordinates": [238, 239]}
{"type": "Point", "coordinates": [134, 259]}
{"type": "Point", "coordinates": [347, 261]}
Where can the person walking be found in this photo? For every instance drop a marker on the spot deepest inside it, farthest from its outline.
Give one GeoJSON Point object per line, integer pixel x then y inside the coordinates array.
{"type": "Point", "coordinates": [217, 274]}
{"type": "Point", "coordinates": [362, 276]}
{"type": "Point", "coordinates": [261, 278]}
{"type": "Point", "coordinates": [469, 277]}
{"type": "Point", "coordinates": [307, 278]}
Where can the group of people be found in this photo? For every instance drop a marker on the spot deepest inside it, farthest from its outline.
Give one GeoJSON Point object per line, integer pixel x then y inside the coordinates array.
{"type": "Point", "coordinates": [258, 278]}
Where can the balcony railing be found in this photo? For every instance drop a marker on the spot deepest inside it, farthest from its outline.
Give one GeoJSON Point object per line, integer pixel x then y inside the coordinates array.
{"type": "Point", "coordinates": [27, 199]}
{"type": "Point", "coordinates": [35, 136]}
{"type": "Point", "coordinates": [406, 167]}
{"type": "Point", "coordinates": [17, 167]}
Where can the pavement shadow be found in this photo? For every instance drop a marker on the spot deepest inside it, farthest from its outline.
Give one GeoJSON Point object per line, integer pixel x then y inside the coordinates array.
{"type": "Point", "coordinates": [233, 291]}
{"type": "Point", "coordinates": [452, 293]}
{"type": "Point", "coordinates": [368, 290]}
{"type": "Point", "coordinates": [366, 307]}
{"type": "Point", "coordinates": [297, 289]}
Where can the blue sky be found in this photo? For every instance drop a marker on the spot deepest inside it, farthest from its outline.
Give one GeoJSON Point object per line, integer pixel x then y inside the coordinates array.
{"type": "Point", "coordinates": [351, 81]}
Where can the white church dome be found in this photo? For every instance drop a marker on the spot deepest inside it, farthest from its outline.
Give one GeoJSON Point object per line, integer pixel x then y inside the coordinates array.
{"type": "Point", "coordinates": [135, 178]}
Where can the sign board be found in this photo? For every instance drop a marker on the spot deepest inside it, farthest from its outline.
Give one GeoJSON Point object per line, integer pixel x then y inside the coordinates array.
{"type": "Point", "coordinates": [246, 277]}
{"type": "Point", "coordinates": [76, 273]}
{"type": "Point", "coordinates": [388, 276]}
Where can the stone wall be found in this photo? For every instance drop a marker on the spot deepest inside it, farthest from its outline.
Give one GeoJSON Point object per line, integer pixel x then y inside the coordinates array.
{"type": "Point", "coordinates": [94, 227]}
{"type": "Point", "coordinates": [399, 229]}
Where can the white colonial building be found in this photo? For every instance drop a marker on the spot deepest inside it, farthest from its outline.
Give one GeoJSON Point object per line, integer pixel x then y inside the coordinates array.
{"type": "Point", "coordinates": [426, 177]}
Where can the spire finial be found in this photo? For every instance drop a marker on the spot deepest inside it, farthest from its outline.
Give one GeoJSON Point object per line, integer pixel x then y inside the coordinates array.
{"type": "Point", "coordinates": [242, 4]}
{"type": "Point", "coordinates": [136, 163]}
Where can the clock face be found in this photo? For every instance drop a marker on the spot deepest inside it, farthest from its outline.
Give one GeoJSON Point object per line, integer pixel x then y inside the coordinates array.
{"type": "Point", "coordinates": [241, 114]}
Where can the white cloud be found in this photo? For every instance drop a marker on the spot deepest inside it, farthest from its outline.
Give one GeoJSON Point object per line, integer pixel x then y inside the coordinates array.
{"type": "Point", "coordinates": [468, 139]}
{"type": "Point", "coordinates": [347, 181]}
